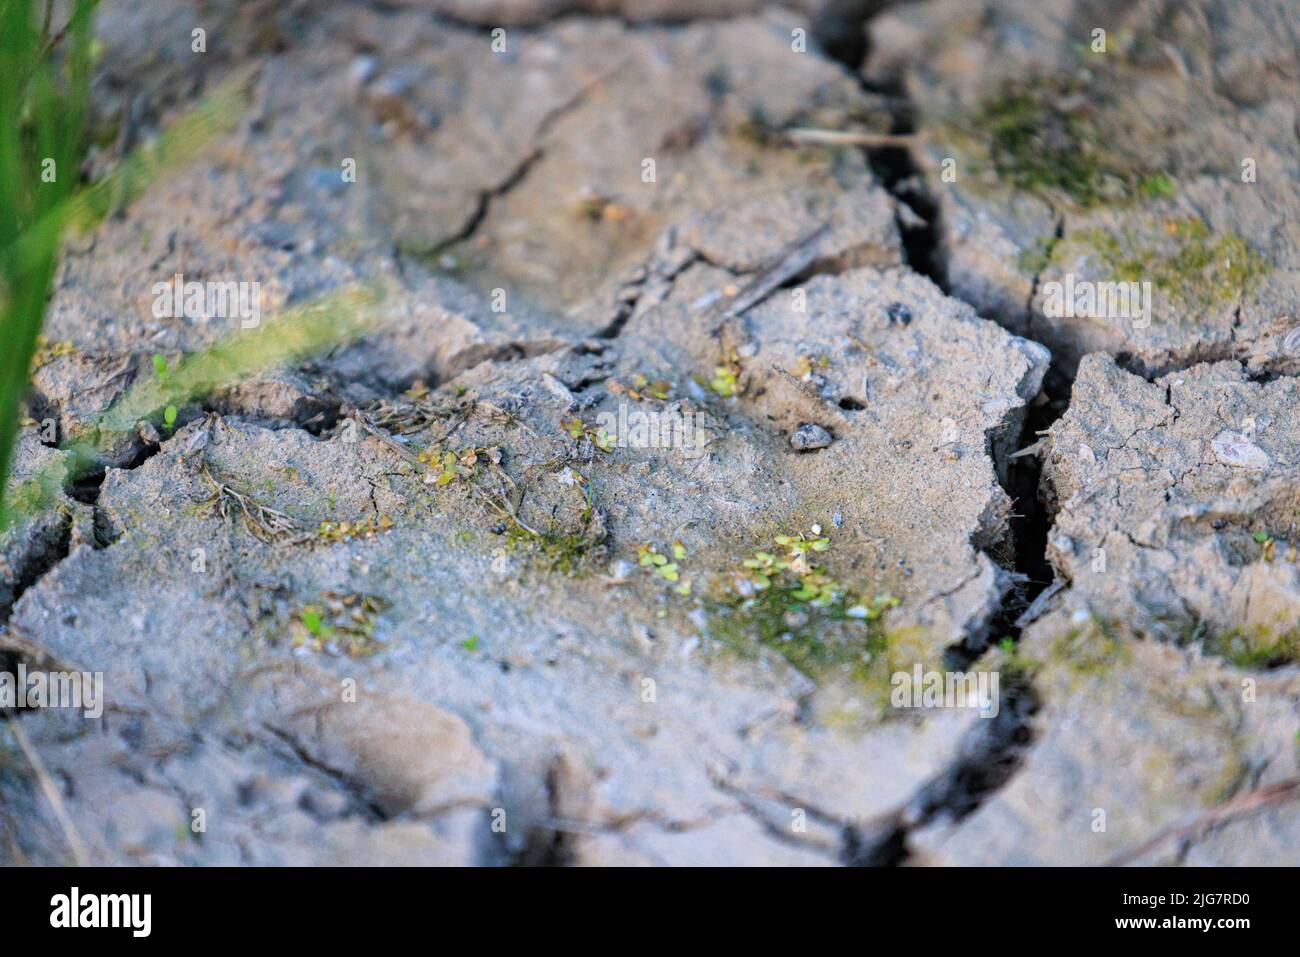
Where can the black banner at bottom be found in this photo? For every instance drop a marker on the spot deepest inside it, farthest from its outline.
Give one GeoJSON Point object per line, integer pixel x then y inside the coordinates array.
{"type": "Point", "coordinates": [334, 906]}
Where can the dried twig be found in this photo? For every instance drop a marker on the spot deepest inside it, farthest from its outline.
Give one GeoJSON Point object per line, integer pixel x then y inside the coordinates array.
{"type": "Point", "coordinates": [786, 265]}
{"type": "Point", "coordinates": [844, 138]}
{"type": "Point", "coordinates": [51, 792]}
{"type": "Point", "coordinates": [401, 418]}
{"type": "Point", "coordinates": [1251, 801]}
{"type": "Point", "coordinates": [267, 524]}
{"type": "Point", "coordinates": [31, 650]}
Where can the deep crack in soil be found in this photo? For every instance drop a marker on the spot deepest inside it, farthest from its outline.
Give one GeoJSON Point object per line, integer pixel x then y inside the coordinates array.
{"type": "Point", "coordinates": [997, 747]}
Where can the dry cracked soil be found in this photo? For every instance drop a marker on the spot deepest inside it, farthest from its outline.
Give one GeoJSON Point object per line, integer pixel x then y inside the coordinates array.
{"type": "Point", "coordinates": [717, 381]}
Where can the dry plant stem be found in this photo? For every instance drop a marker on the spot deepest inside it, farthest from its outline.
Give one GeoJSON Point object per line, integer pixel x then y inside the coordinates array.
{"type": "Point", "coordinates": [500, 504]}
{"type": "Point", "coordinates": [786, 265]}
{"type": "Point", "coordinates": [51, 792]}
{"type": "Point", "coordinates": [841, 138]}
{"type": "Point", "coordinates": [1241, 805]}
{"type": "Point", "coordinates": [267, 524]}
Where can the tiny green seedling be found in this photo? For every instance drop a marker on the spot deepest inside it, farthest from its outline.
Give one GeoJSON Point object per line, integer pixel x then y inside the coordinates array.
{"type": "Point", "coordinates": [578, 430]}
{"type": "Point", "coordinates": [342, 623]}
{"type": "Point", "coordinates": [650, 558]}
{"type": "Point", "coordinates": [347, 531]}
{"type": "Point", "coordinates": [642, 387]}
{"type": "Point", "coordinates": [312, 621]}
{"type": "Point", "coordinates": [447, 465]}
{"type": "Point", "coordinates": [806, 365]}
{"type": "Point", "coordinates": [1268, 545]}
{"type": "Point", "coordinates": [726, 377]}
{"type": "Point", "coordinates": [779, 600]}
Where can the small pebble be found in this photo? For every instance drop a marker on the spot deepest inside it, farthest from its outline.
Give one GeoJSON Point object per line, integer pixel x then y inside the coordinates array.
{"type": "Point", "coordinates": [1233, 448]}
{"type": "Point", "coordinates": [361, 72]}
{"type": "Point", "coordinates": [148, 434]}
{"type": "Point", "coordinates": [810, 436]}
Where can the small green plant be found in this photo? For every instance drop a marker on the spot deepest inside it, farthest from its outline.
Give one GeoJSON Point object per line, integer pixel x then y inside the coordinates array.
{"type": "Point", "coordinates": [341, 623]}
{"type": "Point", "coordinates": [447, 465]}
{"type": "Point", "coordinates": [1038, 147]}
{"type": "Point", "coordinates": [765, 566]}
{"type": "Point", "coordinates": [314, 623]}
{"type": "Point", "coordinates": [169, 418]}
{"type": "Point", "coordinates": [1253, 646]}
{"type": "Point", "coordinates": [471, 643]}
{"type": "Point", "coordinates": [1159, 186]}
{"type": "Point", "coordinates": [1038, 136]}
{"type": "Point", "coordinates": [642, 387]}
{"type": "Point", "coordinates": [1094, 647]}
{"type": "Point", "coordinates": [578, 430]}
{"type": "Point", "coordinates": [330, 531]}
{"type": "Point", "coordinates": [649, 557]}
{"type": "Point", "coordinates": [553, 551]}
{"type": "Point", "coordinates": [726, 377]}
{"type": "Point", "coordinates": [781, 601]}
{"type": "Point", "coordinates": [44, 90]}
{"type": "Point", "coordinates": [1013, 661]}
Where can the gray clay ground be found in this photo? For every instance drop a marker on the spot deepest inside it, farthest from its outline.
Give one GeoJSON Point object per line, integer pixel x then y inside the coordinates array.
{"type": "Point", "coordinates": [490, 651]}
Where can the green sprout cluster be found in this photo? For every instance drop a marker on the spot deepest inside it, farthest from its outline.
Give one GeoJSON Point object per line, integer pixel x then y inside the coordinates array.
{"type": "Point", "coordinates": [641, 387]}
{"type": "Point", "coordinates": [781, 601]}
{"type": "Point", "coordinates": [447, 465]}
{"type": "Point", "coordinates": [659, 565]}
{"type": "Point", "coordinates": [726, 377]}
{"type": "Point", "coordinates": [600, 438]}
{"type": "Point", "coordinates": [340, 624]}
{"type": "Point", "coordinates": [368, 527]}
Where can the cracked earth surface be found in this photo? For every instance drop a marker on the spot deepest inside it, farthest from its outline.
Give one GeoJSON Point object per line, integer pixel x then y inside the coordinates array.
{"type": "Point", "coordinates": [1104, 515]}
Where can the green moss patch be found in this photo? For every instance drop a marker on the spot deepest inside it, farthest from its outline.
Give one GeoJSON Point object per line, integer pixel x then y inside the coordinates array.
{"type": "Point", "coordinates": [781, 602]}
{"type": "Point", "coordinates": [568, 553]}
{"type": "Point", "coordinates": [1048, 136]}
{"type": "Point", "coordinates": [1187, 261]}
{"type": "Point", "coordinates": [1250, 647]}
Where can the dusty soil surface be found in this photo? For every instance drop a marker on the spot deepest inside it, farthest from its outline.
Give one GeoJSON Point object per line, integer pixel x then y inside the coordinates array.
{"type": "Point", "coordinates": [436, 595]}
